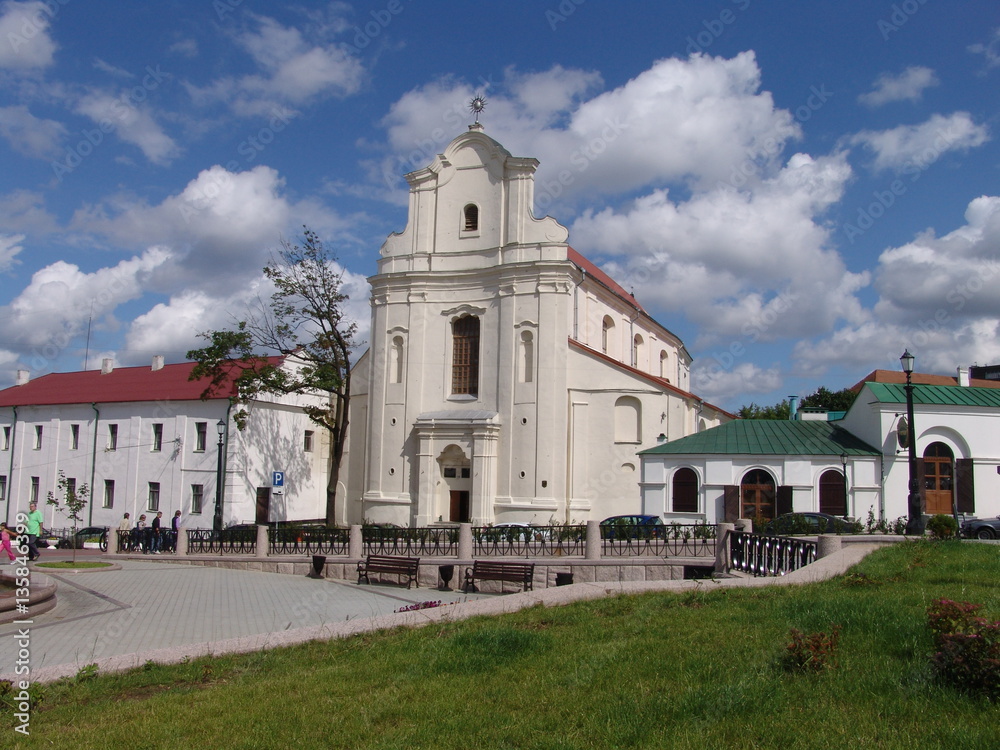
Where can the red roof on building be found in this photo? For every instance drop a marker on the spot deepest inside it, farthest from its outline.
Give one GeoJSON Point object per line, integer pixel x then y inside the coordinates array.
{"type": "Point", "coordinates": [603, 279]}
{"type": "Point", "coordinates": [123, 384]}
{"type": "Point", "coordinates": [919, 378]}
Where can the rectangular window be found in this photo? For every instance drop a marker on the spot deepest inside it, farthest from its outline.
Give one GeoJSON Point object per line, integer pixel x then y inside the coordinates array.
{"type": "Point", "coordinates": [3, 487]}
{"type": "Point", "coordinates": [38, 437]}
{"type": "Point", "coordinates": [109, 493]}
{"type": "Point", "coordinates": [197, 496]}
{"type": "Point", "coordinates": [450, 472]}
{"type": "Point", "coordinates": [465, 356]}
{"type": "Point", "coordinates": [71, 486]}
{"type": "Point", "coordinates": [33, 497]}
{"type": "Point", "coordinates": [6, 437]}
{"type": "Point", "coordinates": [154, 496]}
{"type": "Point", "coordinates": [307, 441]}
{"type": "Point", "coordinates": [112, 437]}
{"type": "Point", "coordinates": [74, 437]}
{"type": "Point", "coordinates": [157, 437]}
{"type": "Point", "coordinates": [200, 436]}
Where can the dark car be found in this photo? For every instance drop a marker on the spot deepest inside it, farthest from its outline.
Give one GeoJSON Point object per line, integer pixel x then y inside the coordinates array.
{"type": "Point", "coordinates": [632, 526]}
{"type": "Point", "coordinates": [981, 528]}
{"type": "Point", "coordinates": [811, 523]}
{"type": "Point", "coordinates": [87, 534]}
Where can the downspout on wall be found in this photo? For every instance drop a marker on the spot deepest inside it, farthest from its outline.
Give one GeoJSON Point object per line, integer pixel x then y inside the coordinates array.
{"type": "Point", "coordinates": [93, 464]}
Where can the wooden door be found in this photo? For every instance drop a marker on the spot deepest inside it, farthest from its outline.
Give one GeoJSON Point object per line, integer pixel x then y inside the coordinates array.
{"type": "Point", "coordinates": [939, 478]}
{"type": "Point", "coordinates": [459, 511]}
{"type": "Point", "coordinates": [757, 495]}
{"type": "Point", "coordinates": [263, 505]}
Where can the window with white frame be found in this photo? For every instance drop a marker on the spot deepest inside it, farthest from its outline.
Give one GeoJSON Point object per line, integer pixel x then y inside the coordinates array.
{"type": "Point", "coordinates": [157, 436]}
{"type": "Point", "coordinates": [109, 493]}
{"type": "Point", "coordinates": [38, 437]}
{"type": "Point", "coordinates": [74, 437]}
{"type": "Point", "coordinates": [200, 436]}
{"type": "Point", "coordinates": [154, 496]}
{"type": "Point", "coordinates": [112, 437]}
{"type": "Point", "coordinates": [197, 497]}
{"type": "Point", "coordinates": [307, 441]}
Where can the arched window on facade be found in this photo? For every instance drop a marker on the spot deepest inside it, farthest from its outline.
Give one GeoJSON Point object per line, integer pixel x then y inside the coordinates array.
{"type": "Point", "coordinates": [526, 357]}
{"type": "Point", "coordinates": [396, 363]}
{"type": "Point", "coordinates": [465, 356]}
{"type": "Point", "coordinates": [628, 420]}
{"type": "Point", "coordinates": [665, 365]}
{"type": "Point", "coordinates": [833, 493]}
{"type": "Point", "coordinates": [470, 215]}
{"type": "Point", "coordinates": [685, 491]}
{"type": "Point", "coordinates": [637, 351]}
{"type": "Point", "coordinates": [607, 335]}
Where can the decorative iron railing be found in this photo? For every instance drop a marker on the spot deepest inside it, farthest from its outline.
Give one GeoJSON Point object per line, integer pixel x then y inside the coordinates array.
{"type": "Point", "coordinates": [308, 541]}
{"type": "Point", "coordinates": [420, 542]}
{"type": "Point", "coordinates": [236, 541]}
{"type": "Point", "coordinates": [674, 540]}
{"type": "Point", "coordinates": [529, 541]}
{"type": "Point", "coordinates": [142, 540]}
{"type": "Point", "coordinates": [768, 555]}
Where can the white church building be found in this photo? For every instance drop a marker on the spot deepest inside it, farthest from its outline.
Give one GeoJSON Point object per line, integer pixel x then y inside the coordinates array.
{"type": "Point", "coordinates": [508, 378]}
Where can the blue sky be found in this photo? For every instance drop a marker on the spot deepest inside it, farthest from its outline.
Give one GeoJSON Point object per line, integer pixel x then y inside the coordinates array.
{"type": "Point", "coordinates": [799, 190]}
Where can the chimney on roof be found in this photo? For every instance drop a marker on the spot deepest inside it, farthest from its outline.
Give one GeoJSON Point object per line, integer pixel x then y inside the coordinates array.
{"type": "Point", "coordinates": [793, 408]}
{"type": "Point", "coordinates": [107, 365]}
{"type": "Point", "coordinates": [23, 376]}
{"type": "Point", "coordinates": [157, 362]}
{"type": "Point", "coordinates": [963, 376]}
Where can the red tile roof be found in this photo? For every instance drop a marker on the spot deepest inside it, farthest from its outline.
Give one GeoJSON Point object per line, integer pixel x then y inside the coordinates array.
{"type": "Point", "coordinates": [920, 378]}
{"type": "Point", "coordinates": [123, 384]}
{"type": "Point", "coordinates": [603, 279]}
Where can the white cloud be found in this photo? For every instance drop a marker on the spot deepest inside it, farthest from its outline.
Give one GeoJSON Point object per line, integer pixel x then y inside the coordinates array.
{"type": "Point", "coordinates": [293, 71]}
{"type": "Point", "coordinates": [919, 146]}
{"type": "Point", "coordinates": [718, 384]}
{"type": "Point", "coordinates": [907, 86]}
{"type": "Point", "coordinates": [25, 43]}
{"type": "Point", "coordinates": [990, 50]}
{"type": "Point", "coordinates": [10, 247]}
{"type": "Point", "coordinates": [699, 121]}
{"type": "Point", "coordinates": [30, 135]}
{"type": "Point", "coordinates": [132, 123]}
{"type": "Point", "coordinates": [938, 296]}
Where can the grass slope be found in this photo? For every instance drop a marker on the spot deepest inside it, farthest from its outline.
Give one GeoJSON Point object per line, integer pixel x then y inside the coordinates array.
{"type": "Point", "coordinates": [695, 670]}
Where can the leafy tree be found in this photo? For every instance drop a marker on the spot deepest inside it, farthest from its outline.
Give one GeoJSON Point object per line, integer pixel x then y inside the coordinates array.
{"type": "Point", "coordinates": [824, 398]}
{"type": "Point", "coordinates": [70, 502]}
{"type": "Point", "coordinates": [753, 411]}
{"type": "Point", "coordinates": [305, 319]}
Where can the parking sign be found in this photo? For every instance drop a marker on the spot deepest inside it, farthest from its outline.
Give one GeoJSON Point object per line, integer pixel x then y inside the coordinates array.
{"type": "Point", "coordinates": [277, 479]}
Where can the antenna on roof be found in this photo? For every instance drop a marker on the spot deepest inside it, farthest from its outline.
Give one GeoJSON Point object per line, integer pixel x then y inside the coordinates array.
{"type": "Point", "coordinates": [86, 354]}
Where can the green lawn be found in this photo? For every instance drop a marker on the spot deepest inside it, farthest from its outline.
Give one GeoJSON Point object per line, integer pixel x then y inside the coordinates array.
{"type": "Point", "coordinates": [696, 670]}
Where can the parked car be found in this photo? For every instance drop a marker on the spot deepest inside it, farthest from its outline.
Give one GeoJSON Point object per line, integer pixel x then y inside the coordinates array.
{"type": "Point", "coordinates": [632, 526]}
{"type": "Point", "coordinates": [515, 530]}
{"type": "Point", "coordinates": [86, 534]}
{"type": "Point", "coordinates": [811, 523]}
{"type": "Point", "coordinates": [981, 528]}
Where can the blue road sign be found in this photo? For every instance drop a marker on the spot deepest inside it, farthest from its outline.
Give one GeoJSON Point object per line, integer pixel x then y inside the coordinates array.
{"type": "Point", "coordinates": [277, 479]}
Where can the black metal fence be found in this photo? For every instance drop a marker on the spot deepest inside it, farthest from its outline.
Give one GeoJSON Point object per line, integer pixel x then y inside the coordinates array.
{"type": "Point", "coordinates": [674, 540]}
{"type": "Point", "coordinates": [237, 541]}
{"type": "Point", "coordinates": [144, 540]}
{"type": "Point", "coordinates": [411, 542]}
{"type": "Point", "coordinates": [308, 541]}
{"type": "Point", "coordinates": [769, 555]}
{"type": "Point", "coordinates": [529, 541]}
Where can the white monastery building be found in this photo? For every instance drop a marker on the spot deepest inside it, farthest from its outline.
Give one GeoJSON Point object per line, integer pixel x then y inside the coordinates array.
{"type": "Point", "coordinates": [508, 379]}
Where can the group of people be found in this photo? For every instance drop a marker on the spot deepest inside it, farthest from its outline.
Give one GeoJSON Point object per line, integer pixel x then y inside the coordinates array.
{"type": "Point", "coordinates": [33, 529]}
{"type": "Point", "coordinates": [151, 538]}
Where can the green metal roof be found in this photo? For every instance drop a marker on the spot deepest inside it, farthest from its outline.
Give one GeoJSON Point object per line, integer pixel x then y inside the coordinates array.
{"type": "Point", "coordinates": [769, 437]}
{"type": "Point", "coordinates": [948, 395]}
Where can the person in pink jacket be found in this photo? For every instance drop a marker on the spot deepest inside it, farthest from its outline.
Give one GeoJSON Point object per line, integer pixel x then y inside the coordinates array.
{"type": "Point", "coordinates": [5, 542]}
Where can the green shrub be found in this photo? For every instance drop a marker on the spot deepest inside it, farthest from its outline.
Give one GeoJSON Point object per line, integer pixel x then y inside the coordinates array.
{"type": "Point", "coordinates": [942, 526]}
{"type": "Point", "coordinates": [967, 655]}
{"type": "Point", "coordinates": [811, 652]}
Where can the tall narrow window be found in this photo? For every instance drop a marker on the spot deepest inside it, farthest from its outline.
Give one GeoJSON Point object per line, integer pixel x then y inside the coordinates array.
{"type": "Point", "coordinates": [607, 335]}
{"type": "Point", "coordinates": [71, 486]}
{"type": "Point", "coordinates": [157, 437]}
{"type": "Point", "coordinates": [664, 365]}
{"type": "Point", "coordinates": [471, 215]}
{"type": "Point", "coordinates": [6, 437]}
{"type": "Point", "coordinates": [637, 351]}
{"type": "Point", "coordinates": [38, 437]}
{"type": "Point", "coordinates": [527, 357]}
{"type": "Point", "coordinates": [200, 436]}
{"type": "Point", "coordinates": [3, 488]}
{"type": "Point", "coordinates": [396, 360]}
{"type": "Point", "coordinates": [465, 356]}
{"type": "Point", "coordinates": [109, 493]}
{"type": "Point", "coordinates": [197, 496]}
{"type": "Point", "coordinates": [307, 441]}
{"type": "Point", "coordinates": [74, 437]}
{"type": "Point", "coordinates": [685, 491]}
{"type": "Point", "coordinates": [154, 496]}
{"type": "Point", "coordinates": [112, 437]}
{"type": "Point", "coordinates": [35, 484]}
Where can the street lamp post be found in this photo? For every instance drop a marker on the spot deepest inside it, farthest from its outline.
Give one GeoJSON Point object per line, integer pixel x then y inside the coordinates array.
{"type": "Point", "coordinates": [914, 506]}
{"type": "Point", "coordinates": [219, 478]}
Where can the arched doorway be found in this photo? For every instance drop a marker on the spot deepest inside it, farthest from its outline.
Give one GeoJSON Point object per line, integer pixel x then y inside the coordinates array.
{"type": "Point", "coordinates": [939, 478]}
{"type": "Point", "coordinates": [832, 493]}
{"type": "Point", "coordinates": [456, 473]}
{"type": "Point", "coordinates": [757, 495]}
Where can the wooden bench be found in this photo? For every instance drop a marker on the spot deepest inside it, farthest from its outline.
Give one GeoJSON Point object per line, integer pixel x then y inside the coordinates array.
{"type": "Point", "coordinates": [491, 570]}
{"type": "Point", "coordinates": [402, 566]}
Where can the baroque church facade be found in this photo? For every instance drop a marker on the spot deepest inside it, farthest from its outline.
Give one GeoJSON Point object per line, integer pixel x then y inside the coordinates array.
{"type": "Point", "coordinates": [508, 378]}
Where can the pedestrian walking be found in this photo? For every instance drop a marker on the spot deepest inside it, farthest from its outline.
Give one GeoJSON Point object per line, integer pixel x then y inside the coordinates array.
{"type": "Point", "coordinates": [34, 526]}
{"type": "Point", "coordinates": [124, 535]}
{"type": "Point", "coordinates": [5, 539]}
{"type": "Point", "coordinates": [175, 530]}
{"type": "Point", "coordinates": [154, 533]}
{"type": "Point", "coordinates": [140, 539]}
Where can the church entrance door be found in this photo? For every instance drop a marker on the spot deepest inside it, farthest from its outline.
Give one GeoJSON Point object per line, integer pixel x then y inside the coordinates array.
{"type": "Point", "coordinates": [460, 507]}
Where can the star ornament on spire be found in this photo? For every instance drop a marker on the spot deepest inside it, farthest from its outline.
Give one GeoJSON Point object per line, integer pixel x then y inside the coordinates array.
{"type": "Point", "coordinates": [477, 105]}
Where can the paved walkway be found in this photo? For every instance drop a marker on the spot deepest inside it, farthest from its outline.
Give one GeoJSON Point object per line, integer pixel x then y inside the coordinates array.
{"type": "Point", "coordinates": [148, 606]}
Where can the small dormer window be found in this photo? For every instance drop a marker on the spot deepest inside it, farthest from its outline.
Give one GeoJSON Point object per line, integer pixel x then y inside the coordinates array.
{"type": "Point", "coordinates": [471, 215]}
